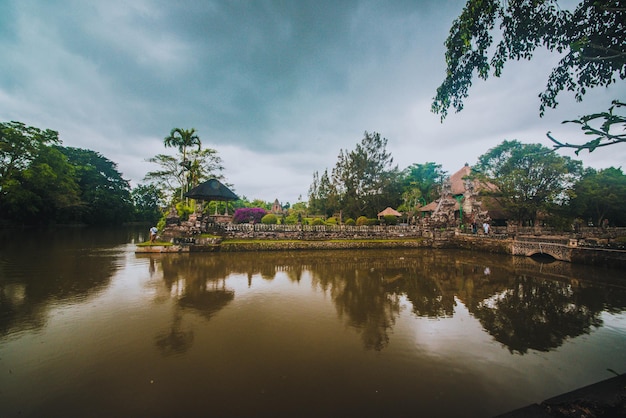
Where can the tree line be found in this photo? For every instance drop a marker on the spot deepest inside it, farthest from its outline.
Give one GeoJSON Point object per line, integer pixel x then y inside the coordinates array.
{"type": "Point", "coordinates": [43, 182]}
{"type": "Point", "coordinates": [527, 180]}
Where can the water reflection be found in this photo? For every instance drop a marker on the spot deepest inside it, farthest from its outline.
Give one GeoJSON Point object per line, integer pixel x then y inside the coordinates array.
{"type": "Point", "coordinates": [50, 268]}
{"type": "Point", "coordinates": [522, 304]}
{"type": "Point", "coordinates": [538, 314]}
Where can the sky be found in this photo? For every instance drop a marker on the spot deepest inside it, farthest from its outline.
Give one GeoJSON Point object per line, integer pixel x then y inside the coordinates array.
{"type": "Point", "coordinates": [278, 88]}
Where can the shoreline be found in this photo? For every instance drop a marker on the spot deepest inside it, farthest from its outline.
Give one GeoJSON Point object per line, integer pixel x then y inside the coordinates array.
{"type": "Point", "coordinates": [562, 252]}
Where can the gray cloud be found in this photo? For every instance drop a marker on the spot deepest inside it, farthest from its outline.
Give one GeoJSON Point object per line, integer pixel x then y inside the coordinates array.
{"type": "Point", "coordinates": [277, 87]}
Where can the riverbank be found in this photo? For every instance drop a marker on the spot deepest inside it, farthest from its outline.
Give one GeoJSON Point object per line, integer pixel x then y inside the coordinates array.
{"type": "Point", "coordinates": [239, 245]}
{"type": "Point", "coordinates": [602, 399]}
{"type": "Point", "coordinates": [562, 249]}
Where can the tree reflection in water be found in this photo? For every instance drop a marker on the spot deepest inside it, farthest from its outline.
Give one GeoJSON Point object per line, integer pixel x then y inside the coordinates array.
{"type": "Point", "coordinates": [522, 304]}
{"type": "Point", "coordinates": [538, 314]}
{"type": "Point", "coordinates": [199, 285]}
{"type": "Point", "coordinates": [360, 297]}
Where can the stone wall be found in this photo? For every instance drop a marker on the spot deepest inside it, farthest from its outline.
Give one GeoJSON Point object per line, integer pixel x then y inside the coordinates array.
{"type": "Point", "coordinates": [316, 233]}
{"type": "Point", "coordinates": [599, 257]}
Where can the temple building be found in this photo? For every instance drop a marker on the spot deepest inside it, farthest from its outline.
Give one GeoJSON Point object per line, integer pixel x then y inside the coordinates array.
{"type": "Point", "coordinates": [461, 203]}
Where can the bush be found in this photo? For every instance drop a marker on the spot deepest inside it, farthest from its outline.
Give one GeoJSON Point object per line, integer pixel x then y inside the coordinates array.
{"type": "Point", "coordinates": [391, 220]}
{"type": "Point", "coordinates": [331, 221]}
{"type": "Point", "coordinates": [361, 220]}
{"type": "Point", "coordinates": [183, 211]}
{"type": "Point", "coordinates": [269, 219]}
{"type": "Point", "coordinates": [373, 221]}
{"type": "Point", "coordinates": [245, 215]}
{"type": "Point", "coordinates": [291, 219]}
{"type": "Point", "coordinates": [317, 221]}
{"type": "Point", "coordinates": [350, 222]}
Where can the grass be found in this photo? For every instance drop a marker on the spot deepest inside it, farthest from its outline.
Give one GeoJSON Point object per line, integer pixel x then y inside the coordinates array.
{"type": "Point", "coordinates": [155, 243]}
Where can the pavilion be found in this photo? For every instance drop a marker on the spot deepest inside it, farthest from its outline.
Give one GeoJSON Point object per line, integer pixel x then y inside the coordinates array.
{"type": "Point", "coordinates": [212, 190]}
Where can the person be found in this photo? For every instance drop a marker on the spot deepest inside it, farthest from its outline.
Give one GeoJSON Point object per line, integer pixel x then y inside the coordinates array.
{"type": "Point", "coordinates": [486, 228]}
{"type": "Point", "coordinates": [153, 233]}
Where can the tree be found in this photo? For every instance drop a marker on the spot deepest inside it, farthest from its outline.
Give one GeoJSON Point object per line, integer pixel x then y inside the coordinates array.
{"type": "Point", "coordinates": [528, 178]}
{"type": "Point", "coordinates": [323, 197]}
{"type": "Point", "coordinates": [610, 132]}
{"type": "Point", "coordinates": [601, 195]}
{"type": "Point", "coordinates": [147, 199]}
{"type": "Point", "coordinates": [104, 193]}
{"type": "Point", "coordinates": [19, 146]}
{"type": "Point", "coordinates": [592, 39]}
{"type": "Point", "coordinates": [37, 184]}
{"type": "Point", "coordinates": [423, 181]}
{"type": "Point", "coordinates": [365, 179]}
{"type": "Point", "coordinates": [43, 192]}
{"type": "Point", "coordinates": [183, 139]}
{"type": "Point", "coordinates": [172, 180]}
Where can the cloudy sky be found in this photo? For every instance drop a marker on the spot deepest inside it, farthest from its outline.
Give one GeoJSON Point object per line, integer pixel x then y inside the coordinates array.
{"type": "Point", "coordinates": [278, 88]}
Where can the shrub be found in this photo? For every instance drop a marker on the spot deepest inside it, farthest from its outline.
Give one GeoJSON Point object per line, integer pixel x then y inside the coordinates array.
{"type": "Point", "coordinates": [244, 215]}
{"type": "Point", "coordinates": [373, 221]}
{"type": "Point", "coordinates": [391, 220]}
{"type": "Point", "coordinates": [350, 222]}
{"type": "Point", "coordinates": [331, 221]}
{"type": "Point", "coordinates": [269, 219]}
{"type": "Point", "coordinates": [291, 219]}
{"type": "Point", "coordinates": [317, 221]}
{"type": "Point", "coordinates": [361, 220]}
{"type": "Point", "coordinates": [183, 211]}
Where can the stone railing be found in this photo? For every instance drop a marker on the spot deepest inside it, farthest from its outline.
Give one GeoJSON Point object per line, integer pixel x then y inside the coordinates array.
{"type": "Point", "coordinates": [313, 232]}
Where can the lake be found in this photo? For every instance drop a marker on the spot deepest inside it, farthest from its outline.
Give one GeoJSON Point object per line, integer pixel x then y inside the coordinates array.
{"type": "Point", "coordinates": [88, 328]}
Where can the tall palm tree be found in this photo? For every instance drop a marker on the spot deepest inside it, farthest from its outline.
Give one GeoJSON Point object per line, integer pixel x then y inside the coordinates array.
{"type": "Point", "coordinates": [182, 139]}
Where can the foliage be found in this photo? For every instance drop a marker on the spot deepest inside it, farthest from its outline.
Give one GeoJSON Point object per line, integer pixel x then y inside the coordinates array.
{"type": "Point", "coordinates": [317, 221]}
{"type": "Point", "coordinates": [244, 215]}
{"type": "Point", "coordinates": [592, 39]}
{"type": "Point", "coordinates": [361, 221]}
{"type": "Point", "coordinates": [258, 203]}
{"type": "Point", "coordinates": [292, 219]}
{"type": "Point", "coordinates": [162, 223]}
{"type": "Point", "coordinates": [350, 222]}
{"type": "Point", "coordinates": [172, 180]}
{"type": "Point", "coordinates": [390, 220]}
{"type": "Point", "coordinates": [610, 132]}
{"type": "Point", "coordinates": [323, 196]}
{"type": "Point", "coordinates": [19, 146]}
{"type": "Point", "coordinates": [43, 192]}
{"type": "Point", "coordinates": [183, 139]}
{"type": "Point", "coordinates": [148, 201]}
{"type": "Point", "coordinates": [526, 178]}
{"type": "Point", "coordinates": [42, 182]}
{"type": "Point", "coordinates": [269, 219]}
{"type": "Point", "coordinates": [104, 193]}
{"type": "Point", "coordinates": [331, 221]}
{"type": "Point", "coordinates": [183, 210]}
{"type": "Point", "coordinates": [601, 195]}
{"type": "Point", "coordinates": [364, 179]}
{"type": "Point", "coordinates": [422, 184]}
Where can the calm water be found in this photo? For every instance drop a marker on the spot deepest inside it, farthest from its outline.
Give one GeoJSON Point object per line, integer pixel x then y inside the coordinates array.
{"type": "Point", "coordinates": [90, 329]}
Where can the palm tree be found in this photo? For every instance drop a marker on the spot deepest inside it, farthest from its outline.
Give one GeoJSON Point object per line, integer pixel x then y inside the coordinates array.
{"type": "Point", "coordinates": [182, 139]}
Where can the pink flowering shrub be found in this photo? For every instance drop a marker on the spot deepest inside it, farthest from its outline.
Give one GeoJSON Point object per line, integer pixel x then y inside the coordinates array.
{"type": "Point", "coordinates": [245, 215]}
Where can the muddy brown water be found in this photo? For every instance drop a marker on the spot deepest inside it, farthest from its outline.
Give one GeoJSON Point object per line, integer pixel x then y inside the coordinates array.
{"type": "Point", "coordinates": [88, 328]}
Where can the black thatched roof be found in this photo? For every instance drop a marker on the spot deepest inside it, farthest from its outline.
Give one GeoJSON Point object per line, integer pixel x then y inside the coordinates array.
{"type": "Point", "coordinates": [211, 190]}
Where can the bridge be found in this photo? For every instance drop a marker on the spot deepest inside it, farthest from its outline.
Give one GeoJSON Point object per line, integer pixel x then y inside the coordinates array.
{"type": "Point", "coordinates": [558, 248]}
